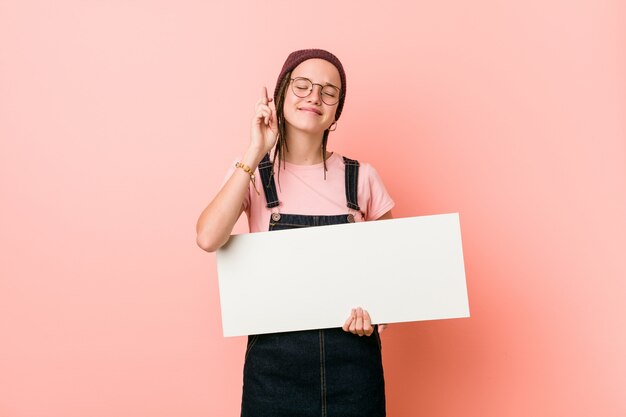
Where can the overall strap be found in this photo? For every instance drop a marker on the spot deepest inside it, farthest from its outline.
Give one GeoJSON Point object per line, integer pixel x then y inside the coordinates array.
{"type": "Point", "coordinates": [352, 181]}
{"type": "Point", "coordinates": [266, 169]}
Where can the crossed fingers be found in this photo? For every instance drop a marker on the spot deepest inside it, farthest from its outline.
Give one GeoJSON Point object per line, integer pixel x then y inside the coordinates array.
{"type": "Point", "coordinates": [262, 107]}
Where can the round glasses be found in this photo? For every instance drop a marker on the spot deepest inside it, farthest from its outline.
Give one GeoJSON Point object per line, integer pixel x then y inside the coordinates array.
{"type": "Point", "coordinates": [303, 87]}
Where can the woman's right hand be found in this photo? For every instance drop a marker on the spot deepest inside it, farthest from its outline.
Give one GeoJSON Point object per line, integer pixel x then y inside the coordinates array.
{"type": "Point", "coordinates": [360, 323]}
{"type": "Point", "coordinates": [264, 130]}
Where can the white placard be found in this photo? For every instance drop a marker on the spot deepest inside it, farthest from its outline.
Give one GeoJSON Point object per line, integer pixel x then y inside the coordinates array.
{"type": "Point", "coordinates": [399, 270]}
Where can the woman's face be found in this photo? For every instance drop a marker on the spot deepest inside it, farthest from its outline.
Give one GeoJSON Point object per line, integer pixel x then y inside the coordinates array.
{"type": "Point", "coordinates": [310, 114]}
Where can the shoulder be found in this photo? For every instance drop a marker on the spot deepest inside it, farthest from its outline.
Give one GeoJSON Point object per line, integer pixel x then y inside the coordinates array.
{"type": "Point", "coordinates": [366, 169]}
{"type": "Point", "coordinates": [347, 160]}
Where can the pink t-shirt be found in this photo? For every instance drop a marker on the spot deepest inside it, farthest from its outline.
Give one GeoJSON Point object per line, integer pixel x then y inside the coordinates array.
{"type": "Point", "coordinates": [303, 190]}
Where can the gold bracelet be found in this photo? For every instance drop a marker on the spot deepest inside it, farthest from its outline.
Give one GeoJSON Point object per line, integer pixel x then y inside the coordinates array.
{"type": "Point", "coordinates": [247, 169]}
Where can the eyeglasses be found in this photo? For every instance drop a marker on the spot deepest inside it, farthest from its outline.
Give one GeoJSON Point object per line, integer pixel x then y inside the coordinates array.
{"type": "Point", "coordinates": [303, 87]}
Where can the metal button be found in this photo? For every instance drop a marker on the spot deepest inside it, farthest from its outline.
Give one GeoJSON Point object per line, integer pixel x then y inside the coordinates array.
{"type": "Point", "coordinates": [350, 218]}
{"type": "Point", "coordinates": [276, 216]}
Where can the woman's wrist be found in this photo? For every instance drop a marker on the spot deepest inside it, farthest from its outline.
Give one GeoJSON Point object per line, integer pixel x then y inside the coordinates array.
{"type": "Point", "coordinates": [252, 157]}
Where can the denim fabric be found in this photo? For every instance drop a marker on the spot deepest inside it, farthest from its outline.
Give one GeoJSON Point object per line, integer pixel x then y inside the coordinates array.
{"type": "Point", "coordinates": [295, 221]}
{"type": "Point", "coordinates": [313, 373]}
{"type": "Point", "coordinates": [352, 179]}
{"type": "Point", "coordinates": [266, 170]}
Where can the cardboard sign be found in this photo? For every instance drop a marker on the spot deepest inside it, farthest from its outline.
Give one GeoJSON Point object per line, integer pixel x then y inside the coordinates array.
{"type": "Point", "coordinates": [399, 270]}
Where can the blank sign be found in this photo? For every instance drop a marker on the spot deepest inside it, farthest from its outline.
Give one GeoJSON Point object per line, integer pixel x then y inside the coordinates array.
{"type": "Point", "coordinates": [399, 270]}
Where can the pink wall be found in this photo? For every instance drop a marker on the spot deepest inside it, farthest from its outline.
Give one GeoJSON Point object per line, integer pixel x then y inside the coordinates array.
{"type": "Point", "coordinates": [118, 120]}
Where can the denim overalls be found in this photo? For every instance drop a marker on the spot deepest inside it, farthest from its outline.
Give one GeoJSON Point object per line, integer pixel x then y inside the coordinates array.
{"type": "Point", "coordinates": [320, 373]}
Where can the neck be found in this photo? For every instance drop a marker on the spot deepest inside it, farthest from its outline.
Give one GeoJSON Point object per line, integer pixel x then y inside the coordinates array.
{"type": "Point", "coordinates": [304, 148]}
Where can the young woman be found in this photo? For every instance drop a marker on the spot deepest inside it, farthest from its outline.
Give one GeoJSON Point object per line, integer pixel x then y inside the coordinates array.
{"type": "Point", "coordinates": [326, 372]}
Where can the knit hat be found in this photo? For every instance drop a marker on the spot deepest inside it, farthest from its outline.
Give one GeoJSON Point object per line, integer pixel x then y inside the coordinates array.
{"type": "Point", "coordinates": [297, 57]}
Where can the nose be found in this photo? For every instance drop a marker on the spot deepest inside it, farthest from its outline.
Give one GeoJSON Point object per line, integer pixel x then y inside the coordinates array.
{"type": "Point", "coordinates": [316, 94]}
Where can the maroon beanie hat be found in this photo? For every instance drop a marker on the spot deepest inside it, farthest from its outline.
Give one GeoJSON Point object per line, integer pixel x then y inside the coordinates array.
{"type": "Point", "coordinates": [297, 57]}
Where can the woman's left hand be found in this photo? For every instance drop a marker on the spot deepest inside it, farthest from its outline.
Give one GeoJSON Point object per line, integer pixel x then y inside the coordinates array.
{"type": "Point", "coordinates": [360, 323]}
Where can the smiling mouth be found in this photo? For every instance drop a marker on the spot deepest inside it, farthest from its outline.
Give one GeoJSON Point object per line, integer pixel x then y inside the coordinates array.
{"type": "Point", "coordinates": [310, 111]}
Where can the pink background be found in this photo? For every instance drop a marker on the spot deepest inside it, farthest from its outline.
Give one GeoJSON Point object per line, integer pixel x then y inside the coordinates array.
{"type": "Point", "coordinates": [118, 120]}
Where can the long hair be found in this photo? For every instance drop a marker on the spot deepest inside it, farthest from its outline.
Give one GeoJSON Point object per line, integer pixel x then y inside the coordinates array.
{"type": "Point", "coordinates": [281, 143]}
